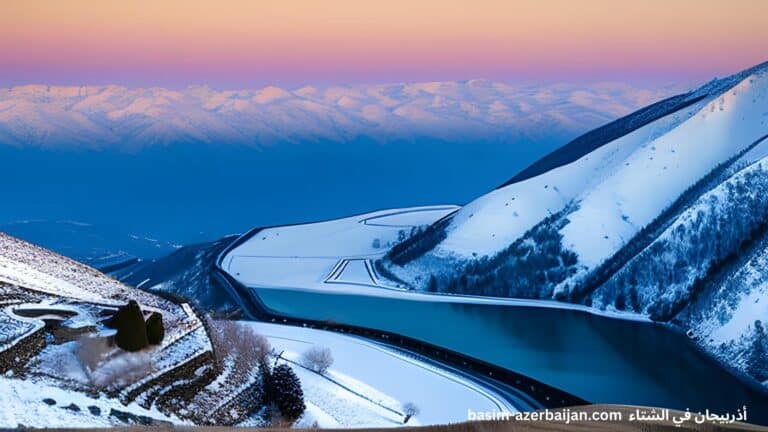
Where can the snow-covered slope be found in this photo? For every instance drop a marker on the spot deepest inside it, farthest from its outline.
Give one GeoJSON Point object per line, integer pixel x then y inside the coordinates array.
{"type": "Point", "coordinates": [52, 312]}
{"type": "Point", "coordinates": [639, 223]}
{"type": "Point", "coordinates": [623, 185]}
{"type": "Point", "coordinates": [94, 245]}
{"type": "Point", "coordinates": [37, 269]}
{"type": "Point", "coordinates": [34, 404]}
{"type": "Point", "coordinates": [112, 116]}
{"type": "Point", "coordinates": [185, 272]}
{"type": "Point", "coordinates": [656, 162]}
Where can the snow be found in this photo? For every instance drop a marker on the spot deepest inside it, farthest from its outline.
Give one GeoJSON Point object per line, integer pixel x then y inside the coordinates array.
{"type": "Point", "coordinates": [21, 403]}
{"type": "Point", "coordinates": [663, 168]}
{"type": "Point", "coordinates": [613, 191]}
{"type": "Point", "coordinates": [495, 220]}
{"type": "Point", "coordinates": [380, 374]}
{"type": "Point", "coordinates": [657, 162]}
{"type": "Point", "coordinates": [14, 328]}
{"type": "Point", "coordinates": [37, 279]}
{"type": "Point", "coordinates": [16, 273]}
{"type": "Point", "coordinates": [101, 116]}
{"type": "Point", "coordinates": [750, 307]}
{"type": "Point", "coordinates": [354, 271]}
{"type": "Point", "coordinates": [311, 255]}
{"type": "Point", "coordinates": [39, 270]}
{"type": "Point", "coordinates": [350, 235]}
{"type": "Point", "coordinates": [406, 218]}
{"type": "Point", "coordinates": [341, 271]}
{"type": "Point", "coordinates": [738, 303]}
{"type": "Point", "coordinates": [315, 416]}
{"type": "Point", "coordinates": [171, 354]}
{"type": "Point", "coordinates": [60, 361]}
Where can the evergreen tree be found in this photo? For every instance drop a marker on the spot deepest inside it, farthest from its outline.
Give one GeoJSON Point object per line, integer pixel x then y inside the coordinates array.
{"type": "Point", "coordinates": [155, 329]}
{"type": "Point", "coordinates": [131, 329]}
{"type": "Point", "coordinates": [757, 364]}
{"type": "Point", "coordinates": [283, 389]}
{"type": "Point", "coordinates": [432, 287]}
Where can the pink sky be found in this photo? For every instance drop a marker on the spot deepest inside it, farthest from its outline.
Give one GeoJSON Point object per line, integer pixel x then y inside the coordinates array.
{"type": "Point", "coordinates": [244, 43]}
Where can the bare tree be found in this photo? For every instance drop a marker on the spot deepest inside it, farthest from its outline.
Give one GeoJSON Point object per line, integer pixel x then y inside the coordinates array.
{"type": "Point", "coordinates": [409, 409]}
{"type": "Point", "coordinates": [319, 359]}
{"type": "Point", "coordinates": [239, 346]}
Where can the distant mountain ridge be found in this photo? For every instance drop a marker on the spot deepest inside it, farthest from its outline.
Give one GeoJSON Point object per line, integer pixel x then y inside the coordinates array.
{"type": "Point", "coordinates": [130, 118]}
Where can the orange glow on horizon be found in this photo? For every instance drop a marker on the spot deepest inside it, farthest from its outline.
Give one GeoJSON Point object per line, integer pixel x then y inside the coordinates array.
{"type": "Point", "coordinates": [347, 41]}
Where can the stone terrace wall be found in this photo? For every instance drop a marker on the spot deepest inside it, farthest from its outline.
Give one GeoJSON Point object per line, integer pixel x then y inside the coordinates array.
{"type": "Point", "coordinates": [16, 357]}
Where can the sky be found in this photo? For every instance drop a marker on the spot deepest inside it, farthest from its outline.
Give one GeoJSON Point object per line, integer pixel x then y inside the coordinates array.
{"type": "Point", "coordinates": [250, 43]}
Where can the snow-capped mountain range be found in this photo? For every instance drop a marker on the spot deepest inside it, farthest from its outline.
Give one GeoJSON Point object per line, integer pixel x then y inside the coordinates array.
{"type": "Point", "coordinates": [131, 118]}
{"type": "Point", "coordinates": [666, 218]}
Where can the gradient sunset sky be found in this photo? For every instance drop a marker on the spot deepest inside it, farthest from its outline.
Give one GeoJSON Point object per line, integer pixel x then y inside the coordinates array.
{"type": "Point", "coordinates": [249, 43]}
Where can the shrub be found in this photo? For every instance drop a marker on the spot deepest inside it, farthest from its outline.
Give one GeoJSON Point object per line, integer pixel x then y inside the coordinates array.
{"type": "Point", "coordinates": [131, 329]}
{"type": "Point", "coordinates": [410, 409]}
{"type": "Point", "coordinates": [318, 359]}
{"type": "Point", "coordinates": [155, 329]}
{"type": "Point", "coordinates": [240, 341]}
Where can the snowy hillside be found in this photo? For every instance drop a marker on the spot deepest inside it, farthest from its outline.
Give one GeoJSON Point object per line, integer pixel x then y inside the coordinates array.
{"type": "Point", "coordinates": [97, 246]}
{"type": "Point", "coordinates": [187, 272]}
{"type": "Point", "coordinates": [620, 187]}
{"type": "Point", "coordinates": [705, 272]}
{"type": "Point", "coordinates": [663, 157]}
{"type": "Point", "coordinates": [35, 404]}
{"type": "Point", "coordinates": [638, 223]}
{"type": "Point", "coordinates": [53, 319]}
{"type": "Point", "coordinates": [112, 116]}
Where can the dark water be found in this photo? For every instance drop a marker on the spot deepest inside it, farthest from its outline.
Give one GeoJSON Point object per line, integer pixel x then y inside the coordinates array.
{"type": "Point", "coordinates": [602, 360]}
{"type": "Point", "coordinates": [186, 193]}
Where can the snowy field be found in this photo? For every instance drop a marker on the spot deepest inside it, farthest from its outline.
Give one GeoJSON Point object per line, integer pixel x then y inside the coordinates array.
{"type": "Point", "coordinates": [333, 255]}
{"type": "Point", "coordinates": [368, 383]}
{"type": "Point", "coordinates": [35, 403]}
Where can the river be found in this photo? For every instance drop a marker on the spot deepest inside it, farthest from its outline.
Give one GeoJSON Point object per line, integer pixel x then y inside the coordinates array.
{"type": "Point", "coordinates": [598, 358]}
